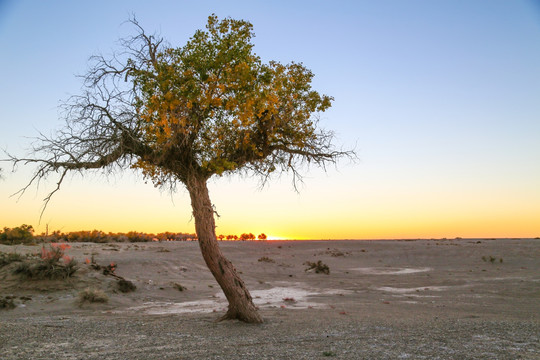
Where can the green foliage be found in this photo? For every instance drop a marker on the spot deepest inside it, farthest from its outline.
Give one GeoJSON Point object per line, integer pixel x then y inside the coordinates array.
{"type": "Point", "coordinates": [319, 267]}
{"type": "Point", "coordinates": [214, 104]}
{"type": "Point", "coordinates": [20, 235]}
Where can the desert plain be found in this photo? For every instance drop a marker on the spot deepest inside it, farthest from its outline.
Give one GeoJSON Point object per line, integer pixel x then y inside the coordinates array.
{"type": "Point", "coordinates": [406, 299]}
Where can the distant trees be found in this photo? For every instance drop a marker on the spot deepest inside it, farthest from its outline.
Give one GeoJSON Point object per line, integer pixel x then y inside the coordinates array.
{"type": "Point", "coordinates": [25, 234]}
{"type": "Point", "coordinates": [19, 235]}
{"type": "Point", "coordinates": [243, 237]}
{"type": "Point", "coordinates": [97, 236]}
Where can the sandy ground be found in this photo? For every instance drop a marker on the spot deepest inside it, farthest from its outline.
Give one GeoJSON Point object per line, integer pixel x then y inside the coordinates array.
{"type": "Point", "coordinates": [423, 299]}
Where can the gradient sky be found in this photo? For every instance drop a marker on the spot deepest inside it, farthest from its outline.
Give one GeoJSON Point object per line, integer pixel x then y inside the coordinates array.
{"type": "Point", "coordinates": [440, 99]}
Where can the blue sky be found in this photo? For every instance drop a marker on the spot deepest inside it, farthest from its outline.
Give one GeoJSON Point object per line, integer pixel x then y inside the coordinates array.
{"type": "Point", "coordinates": [439, 98]}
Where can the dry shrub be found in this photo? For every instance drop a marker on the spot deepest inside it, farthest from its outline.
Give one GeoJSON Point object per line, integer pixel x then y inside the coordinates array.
{"type": "Point", "coordinates": [41, 270]}
{"type": "Point", "coordinates": [52, 265]}
{"type": "Point", "coordinates": [319, 267]}
{"type": "Point", "coordinates": [266, 259]}
{"type": "Point", "coordinates": [126, 286]}
{"type": "Point", "coordinates": [92, 296]}
{"type": "Point", "coordinates": [179, 287]}
{"type": "Point", "coordinates": [7, 303]}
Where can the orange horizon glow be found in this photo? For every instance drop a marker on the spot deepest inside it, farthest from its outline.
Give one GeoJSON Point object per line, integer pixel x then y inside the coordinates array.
{"type": "Point", "coordinates": [305, 235]}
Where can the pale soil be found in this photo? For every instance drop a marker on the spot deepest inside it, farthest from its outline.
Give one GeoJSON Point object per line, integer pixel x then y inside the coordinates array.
{"type": "Point", "coordinates": [382, 300]}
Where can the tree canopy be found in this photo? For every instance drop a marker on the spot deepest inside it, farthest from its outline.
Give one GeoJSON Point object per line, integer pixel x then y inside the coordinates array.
{"type": "Point", "coordinates": [211, 107]}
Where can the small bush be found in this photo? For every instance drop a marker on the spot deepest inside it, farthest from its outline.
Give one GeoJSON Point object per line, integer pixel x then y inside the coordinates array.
{"type": "Point", "coordinates": [40, 270]}
{"type": "Point", "coordinates": [491, 259]}
{"type": "Point", "coordinates": [126, 286]}
{"type": "Point", "coordinates": [328, 353]}
{"type": "Point", "coordinates": [52, 264]}
{"type": "Point", "coordinates": [7, 303]}
{"type": "Point", "coordinates": [266, 259]}
{"type": "Point", "coordinates": [179, 287]}
{"type": "Point", "coordinates": [92, 296]}
{"type": "Point", "coordinates": [319, 267]}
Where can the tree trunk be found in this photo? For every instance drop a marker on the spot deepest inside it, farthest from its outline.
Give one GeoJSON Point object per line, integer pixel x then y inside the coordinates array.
{"type": "Point", "coordinates": [241, 305]}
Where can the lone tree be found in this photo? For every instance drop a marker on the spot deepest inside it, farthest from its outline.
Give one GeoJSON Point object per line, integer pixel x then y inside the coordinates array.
{"type": "Point", "coordinates": [185, 114]}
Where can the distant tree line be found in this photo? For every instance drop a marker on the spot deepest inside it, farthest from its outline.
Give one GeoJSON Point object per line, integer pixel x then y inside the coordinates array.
{"type": "Point", "coordinates": [24, 234]}
{"type": "Point", "coordinates": [242, 237]}
{"type": "Point", "coordinates": [98, 236]}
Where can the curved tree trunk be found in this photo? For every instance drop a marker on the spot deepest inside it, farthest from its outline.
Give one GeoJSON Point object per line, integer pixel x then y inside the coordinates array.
{"type": "Point", "coordinates": [241, 305]}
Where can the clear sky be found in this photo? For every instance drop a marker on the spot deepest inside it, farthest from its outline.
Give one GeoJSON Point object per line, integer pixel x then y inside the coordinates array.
{"type": "Point", "coordinates": [441, 100]}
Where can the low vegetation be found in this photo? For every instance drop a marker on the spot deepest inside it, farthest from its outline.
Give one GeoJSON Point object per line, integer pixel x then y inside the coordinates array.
{"type": "Point", "coordinates": [266, 259]}
{"type": "Point", "coordinates": [492, 259]}
{"type": "Point", "coordinates": [51, 264]}
{"type": "Point", "coordinates": [126, 286]}
{"type": "Point", "coordinates": [6, 303]}
{"type": "Point", "coordinates": [319, 267]}
{"type": "Point", "coordinates": [92, 296]}
{"type": "Point", "coordinates": [179, 287]}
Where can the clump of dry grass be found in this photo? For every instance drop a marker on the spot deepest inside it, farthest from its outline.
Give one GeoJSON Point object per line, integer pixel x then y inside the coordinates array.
{"type": "Point", "coordinates": [179, 287]}
{"type": "Point", "coordinates": [491, 259]}
{"type": "Point", "coordinates": [266, 259]}
{"type": "Point", "coordinates": [319, 267]}
{"type": "Point", "coordinates": [90, 295]}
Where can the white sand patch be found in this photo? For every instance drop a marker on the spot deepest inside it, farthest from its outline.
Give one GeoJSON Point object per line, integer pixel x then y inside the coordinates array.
{"type": "Point", "coordinates": [293, 297]}
{"type": "Point", "coordinates": [418, 292]}
{"type": "Point", "coordinates": [411, 290]}
{"type": "Point", "coordinates": [163, 308]}
{"type": "Point", "coordinates": [390, 271]}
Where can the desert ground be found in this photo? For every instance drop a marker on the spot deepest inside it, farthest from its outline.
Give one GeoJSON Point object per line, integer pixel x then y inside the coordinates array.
{"type": "Point", "coordinates": [414, 299]}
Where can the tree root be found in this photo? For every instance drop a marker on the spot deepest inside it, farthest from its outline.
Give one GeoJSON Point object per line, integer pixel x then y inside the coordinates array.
{"type": "Point", "coordinates": [248, 316]}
